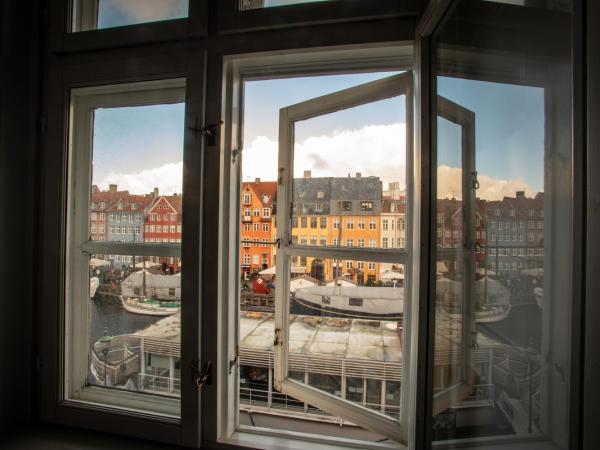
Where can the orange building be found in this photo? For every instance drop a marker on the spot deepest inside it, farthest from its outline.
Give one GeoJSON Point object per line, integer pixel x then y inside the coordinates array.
{"type": "Point", "coordinates": [257, 226]}
{"type": "Point", "coordinates": [336, 212]}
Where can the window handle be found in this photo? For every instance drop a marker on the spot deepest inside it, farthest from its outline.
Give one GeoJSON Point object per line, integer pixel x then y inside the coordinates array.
{"type": "Point", "coordinates": [202, 377]}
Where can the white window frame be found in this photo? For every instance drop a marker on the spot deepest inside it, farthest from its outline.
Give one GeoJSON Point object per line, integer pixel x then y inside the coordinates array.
{"type": "Point", "coordinates": [395, 56]}
{"type": "Point", "coordinates": [79, 249]}
{"type": "Point", "coordinates": [389, 87]}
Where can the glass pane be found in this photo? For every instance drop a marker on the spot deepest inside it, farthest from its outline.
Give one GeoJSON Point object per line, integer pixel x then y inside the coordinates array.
{"type": "Point", "coordinates": [345, 337]}
{"type": "Point", "coordinates": [258, 4]}
{"type": "Point", "coordinates": [260, 403]}
{"type": "Point", "coordinates": [137, 160]}
{"type": "Point", "coordinates": [98, 14]}
{"type": "Point", "coordinates": [512, 283]}
{"type": "Point", "coordinates": [135, 324]}
{"type": "Point", "coordinates": [350, 178]}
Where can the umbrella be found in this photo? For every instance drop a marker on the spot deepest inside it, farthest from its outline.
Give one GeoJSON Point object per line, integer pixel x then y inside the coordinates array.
{"type": "Point", "coordinates": [390, 275]}
{"type": "Point", "coordinates": [95, 262]}
{"type": "Point", "coordinates": [269, 271]}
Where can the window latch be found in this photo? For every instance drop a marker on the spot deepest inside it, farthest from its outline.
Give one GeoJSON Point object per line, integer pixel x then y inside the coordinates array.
{"type": "Point", "coordinates": [209, 131]}
{"type": "Point", "coordinates": [202, 377]}
{"type": "Point", "coordinates": [234, 361]}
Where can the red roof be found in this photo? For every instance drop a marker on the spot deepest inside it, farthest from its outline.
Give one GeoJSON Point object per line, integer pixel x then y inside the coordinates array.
{"type": "Point", "coordinates": [261, 189]}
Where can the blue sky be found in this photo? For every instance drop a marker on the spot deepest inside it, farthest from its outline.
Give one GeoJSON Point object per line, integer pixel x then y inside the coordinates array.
{"type": "Point", "coordinates": [143, 146]}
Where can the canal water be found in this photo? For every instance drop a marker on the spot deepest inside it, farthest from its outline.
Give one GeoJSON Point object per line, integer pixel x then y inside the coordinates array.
{"type": "Point", "coordinates": [108, 314]}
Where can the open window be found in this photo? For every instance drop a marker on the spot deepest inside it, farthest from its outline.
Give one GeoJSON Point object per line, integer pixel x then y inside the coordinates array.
{"type": "Point", "coordinates": [455, 261]}
{"type": "Point", "coordinates": [347, 345]}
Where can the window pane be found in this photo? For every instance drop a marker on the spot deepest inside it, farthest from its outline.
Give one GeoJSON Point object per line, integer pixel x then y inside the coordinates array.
{"type": "Point", "coordinates": [98, 14]}
{"type": "Point", "coordinates": [347, 338]}
{"type": "Point", "coordinates": [503, 300]}
{"type": "Point", "coordinates": [349, 173]}
{"type": "Point", "coordinates": [135, 324]}
{"type": "Point", "coordinates": [257, 4]}
{"type": "Point", "coordinates": [137, 174]}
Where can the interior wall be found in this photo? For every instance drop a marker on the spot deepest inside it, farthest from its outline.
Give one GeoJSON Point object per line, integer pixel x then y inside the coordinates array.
{"type": "Point", "coordinates": [19, 31]}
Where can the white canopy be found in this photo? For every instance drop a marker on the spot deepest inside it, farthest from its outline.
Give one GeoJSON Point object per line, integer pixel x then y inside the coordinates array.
{"type": "Point", "coordinates": [390, 275]}
{"type": "Point", "coordinates": [269, 271]}
{"type": "Point", "coordinates": [95, 262]}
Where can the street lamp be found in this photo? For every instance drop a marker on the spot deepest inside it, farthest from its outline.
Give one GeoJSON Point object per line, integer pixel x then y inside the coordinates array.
{"type": "Point", "coordinates": [105, 340]}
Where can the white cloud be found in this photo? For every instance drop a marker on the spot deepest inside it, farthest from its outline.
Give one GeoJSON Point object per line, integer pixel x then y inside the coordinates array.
{"type": "Point", "coordinates": [450, 185]}
{"type": "Point", "coordinates": [377, 150]}
{"type": "Point", "coordinates": [167, 178]}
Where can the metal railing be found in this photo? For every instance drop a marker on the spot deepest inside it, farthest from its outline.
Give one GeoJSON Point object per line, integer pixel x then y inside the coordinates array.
{"type": "Point", "coordinates": [157, 383]}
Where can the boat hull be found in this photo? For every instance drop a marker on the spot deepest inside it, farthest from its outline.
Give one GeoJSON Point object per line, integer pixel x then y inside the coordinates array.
{"type": "Point", "coordinates": [158, 311]}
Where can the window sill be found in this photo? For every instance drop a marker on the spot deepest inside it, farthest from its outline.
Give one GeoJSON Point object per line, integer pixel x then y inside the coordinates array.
{"type": "Point", "coordinates": [268, 439]}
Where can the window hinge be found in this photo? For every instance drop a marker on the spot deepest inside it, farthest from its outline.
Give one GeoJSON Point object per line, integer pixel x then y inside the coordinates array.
{"type": "Point", "coordinates": [202, 377]}
{"type": "Point", "coordinates": [234, 361]}
{"type": "Point", "coordinates": [277, 339]}
{"type": "Point", "coordinates": [235, 153]}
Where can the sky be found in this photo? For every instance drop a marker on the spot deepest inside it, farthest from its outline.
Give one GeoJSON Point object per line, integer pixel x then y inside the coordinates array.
{"type": "Point", "coordinates": [115, 13]}
{"type": "Point", "coordinates": [140, 148]}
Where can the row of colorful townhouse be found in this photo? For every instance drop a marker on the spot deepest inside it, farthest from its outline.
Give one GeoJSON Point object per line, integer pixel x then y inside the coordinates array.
{"type": "Point", "coordinates": [119, 216]}
{"type": "Point", "coordinates": [358, 212]}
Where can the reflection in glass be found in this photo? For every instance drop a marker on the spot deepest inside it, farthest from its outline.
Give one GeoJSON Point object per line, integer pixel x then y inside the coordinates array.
{"type": "Point", "coordinates": [258, 4]}
{"type": "Point", "coordinates": [502, 230]}
{"type": "Point", "coordinates": [99, 14]}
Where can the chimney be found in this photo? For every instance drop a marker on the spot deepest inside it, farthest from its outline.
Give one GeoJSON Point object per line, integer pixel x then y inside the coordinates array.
{"type": "Point", "coordinates": [112, 187]}
{"type": "Point", "coordinates": [257, 180]}
{"type": "Point", "coordinates": [155, 192]}
{"type": "Point", "coordinates": [520, 194]}
{"type": "Point", "coordinates": [307, 174]}
{"type": "Point", "coordinates": [358, 175]}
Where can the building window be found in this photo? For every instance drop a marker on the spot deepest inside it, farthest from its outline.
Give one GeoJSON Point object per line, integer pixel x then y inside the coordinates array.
{"type": "Point", "coordinates": [361, 224]}
{"type": "Point", "coordinates": [371, 265]}
{"type": "Point", "coordinates": [366, 206]}
{"type": "Point", "coordinates": [345, 206]}
{"type": "Point", "coordinates": [385, 224]}
{"type": "Point", "coordinates": [265, 227]}
{"type": "Point", "coordinates": [349, 242]}
{"type": "Point", "coordinates": [247, 198]}
{"type": "Point", "coordinates": [256, 212]}
{"type": "Point", "coordinates": [372, 224]}
{"type": "Point", "coordinates": [350, 224]}
{"type": "Point", "coordinates": [336, 223]}
{"type": "Point", "coordinates": [266, 212]}
{"type": "Point", "coordinates": [313, 222]}
{"type": "Point", "coordinates": [303, 222]}
{"type": "Point", "coordinates": [361, 242]}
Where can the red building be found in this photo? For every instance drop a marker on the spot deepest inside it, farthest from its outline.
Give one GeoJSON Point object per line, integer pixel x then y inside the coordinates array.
{"type": "Point", "coordinates": [163, 224]}
{"type": "Point", "coordinates": [257, 228]}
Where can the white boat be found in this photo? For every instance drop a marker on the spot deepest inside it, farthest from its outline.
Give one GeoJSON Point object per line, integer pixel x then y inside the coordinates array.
{"type": "Point", "coordinates": [150, 307]}
{"type": "Point", "coordinates": [94, 283]}
{"type": "Point", "coordinates": [376, 303]}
